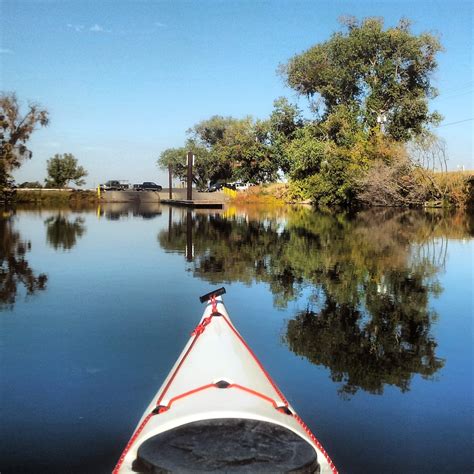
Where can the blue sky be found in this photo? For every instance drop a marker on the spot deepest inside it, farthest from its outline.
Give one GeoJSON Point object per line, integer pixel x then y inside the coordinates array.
{"type": "Point", "coordinates": [124, 80]}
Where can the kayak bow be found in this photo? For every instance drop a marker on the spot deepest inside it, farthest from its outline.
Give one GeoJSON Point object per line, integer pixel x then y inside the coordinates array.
{"type": "Point", "coordinates": [219, 410]}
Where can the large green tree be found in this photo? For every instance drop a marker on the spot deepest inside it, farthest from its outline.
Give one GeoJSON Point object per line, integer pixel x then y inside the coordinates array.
{"type": "Point", "coordinates": [227, 148]}
{"type": "Point", "coordinates": [62, 169]}
{"type": "Point", "coordinates": [381, 74]}
{"type": "Point", "coordinates": [207, 167]}
{"type": "Point", "coordinates": [15, 131]}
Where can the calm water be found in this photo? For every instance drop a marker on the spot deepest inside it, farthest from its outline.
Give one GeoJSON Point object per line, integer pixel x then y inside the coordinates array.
{"type": "Point", "coordinates": [365, 322]}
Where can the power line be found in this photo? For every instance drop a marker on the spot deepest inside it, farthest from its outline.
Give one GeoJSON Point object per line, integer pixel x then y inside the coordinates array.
{"type": "Point", "coordinates": [454, 123]}
{"type": "Point", "coordinates": [459, 87]}
{"type": "Point", "coordinates": [451, 96]}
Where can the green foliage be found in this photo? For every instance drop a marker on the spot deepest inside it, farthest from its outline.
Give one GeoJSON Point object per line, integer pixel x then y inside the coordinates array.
{"type": "Point", "coordinates": [15, 132]}
{"type": "Point", "coordinates": [226, 149]}
{"type": "Point", "coordinates": [31, 185]}
{"type": "Point", "coordinates": [62, 169]}
{"type": "Point", "coordinates": [176, 158]}
{"type": "Point", "coordinates": [308, 154]}
{"type": "Point", "coordinates": [250, 159]}
{"type": "Point", "coordinates": [236, 149]}
{"type": "Point", "coordinates": [211, 131]}
{"type": "Point", "coordinates": [207, 167]}
{"type": "Point", "coordinates": [285, 118]}
{"type": "Point", "coordinates": [276, 132]}
{"type": "Point", "coordinates": [325, 170]}
{"type": "Point", "coordinates": [376, 71]}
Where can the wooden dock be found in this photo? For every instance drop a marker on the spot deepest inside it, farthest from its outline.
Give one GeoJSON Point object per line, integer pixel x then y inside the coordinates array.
{"type": "Point", "coordinates": [196, 203]}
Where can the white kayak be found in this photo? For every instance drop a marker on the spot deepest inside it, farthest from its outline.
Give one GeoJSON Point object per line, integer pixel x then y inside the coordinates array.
{"type": "Point", "coordinates": [219, 410]}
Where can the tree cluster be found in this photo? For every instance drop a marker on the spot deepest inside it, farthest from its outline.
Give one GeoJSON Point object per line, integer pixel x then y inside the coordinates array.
{"type": "Point", "coordinates": [15, 132]}
{"type": "Point", "coordinates": [231, 149]}
{"type": "Point", "coordinates": [368, 88]}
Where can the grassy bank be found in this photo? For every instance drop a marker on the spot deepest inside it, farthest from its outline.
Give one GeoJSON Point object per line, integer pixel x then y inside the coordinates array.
{"type": "Point", "coordinates": [54, 196]}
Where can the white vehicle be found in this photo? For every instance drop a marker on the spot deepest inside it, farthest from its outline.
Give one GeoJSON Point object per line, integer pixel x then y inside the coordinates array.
{"type": "Point", "coordinates": [242, 186]}
{"type": "Point", "coordinates": [219, 410]}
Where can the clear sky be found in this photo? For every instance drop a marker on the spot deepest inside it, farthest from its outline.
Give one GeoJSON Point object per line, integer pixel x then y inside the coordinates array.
{"type": "Point", "coordinates": [125, 79]}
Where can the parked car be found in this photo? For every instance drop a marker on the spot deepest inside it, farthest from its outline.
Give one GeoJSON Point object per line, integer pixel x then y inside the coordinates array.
{"type": "Point", "coordinates": [241, 186]}
{"type": "Point", "coordinates": [150, 186]}
{"type": "Point", "coordinates": [137, 187]}
{"type": "Point", "coordinates": [115, 185]}
{"type": "Point", "coordinates": [218, 187]}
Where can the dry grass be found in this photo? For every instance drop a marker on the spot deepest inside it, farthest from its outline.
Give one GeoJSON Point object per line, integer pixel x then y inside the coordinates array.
{"type": "Point", "coordinates": [267, 194]}
{"type": "Point", "coordinates": [456, 186]}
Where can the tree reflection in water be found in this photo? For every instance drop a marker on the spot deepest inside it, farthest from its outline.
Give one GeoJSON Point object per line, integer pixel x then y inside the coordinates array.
{"type": "Point", "coordinates": [15, 270]}
{"type": "Point", "coordinates": [62, 233]}
{"type": "Point", "coordinates": [370, 278]}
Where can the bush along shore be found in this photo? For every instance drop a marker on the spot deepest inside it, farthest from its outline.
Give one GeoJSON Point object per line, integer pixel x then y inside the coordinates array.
{"type": "Point", "coordinates": [453, 189]}
{"type": "Point", "coordinates": [52, 196]}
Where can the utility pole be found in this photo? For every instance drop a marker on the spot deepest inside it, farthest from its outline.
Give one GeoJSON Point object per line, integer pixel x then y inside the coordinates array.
{"type": "Point", "coordinates": [190, 160]}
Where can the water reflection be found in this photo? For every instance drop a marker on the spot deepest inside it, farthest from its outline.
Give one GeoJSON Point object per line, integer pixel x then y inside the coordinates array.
{"type": "Point", "coordinates": [367, 281]}
{"type": "Point", "coordinates": [124, 210]}
{"type": "Point", "coordinates": [15, 271]}
{"type": "Point", "coordinates": [62, 233]}
{"type": "Point", "coordinates": [366, 350]}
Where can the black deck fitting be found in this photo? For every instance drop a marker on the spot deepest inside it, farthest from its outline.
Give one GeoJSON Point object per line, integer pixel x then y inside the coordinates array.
{"type": "Point", "coordinates": [285, 410]}
{"type": "Point", "coordinates": [208, 296]}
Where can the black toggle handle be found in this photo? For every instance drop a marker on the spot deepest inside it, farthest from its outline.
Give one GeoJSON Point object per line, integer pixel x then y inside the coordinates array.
{"type": "Point", "coordinates": [207, 296]}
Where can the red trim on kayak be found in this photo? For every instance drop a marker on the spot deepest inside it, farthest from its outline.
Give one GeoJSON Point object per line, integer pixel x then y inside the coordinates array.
{"type": "Point", "coordinates": [145, 421]}
{"type": "Point", "coordinates": [199, 329]}
{"type": "Point", "coordinates": [196, 333]}
{"type": "Point", "coordinates": [234, 385]}
{"type": "Point", "coordinates": [267, 375]}
{"type": "Point", "coordinates": [214, 304]}
{"type": "Point", "coordinates": [191, 392]}
{"type": "Point", "coordinates": [177, 368]}
{"type": "Point", "coordinates": [130, 443]}
{"type": "Point", "coordinates": [277, 390]}
{"type": "Point", "coordinates": [212, 385]}
{"type": "Point", "coordinates": [316, 442]}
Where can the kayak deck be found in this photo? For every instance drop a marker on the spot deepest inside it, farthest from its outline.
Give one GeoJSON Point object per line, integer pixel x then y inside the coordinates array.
{"type": "Point", "coordinates": [217, 377]}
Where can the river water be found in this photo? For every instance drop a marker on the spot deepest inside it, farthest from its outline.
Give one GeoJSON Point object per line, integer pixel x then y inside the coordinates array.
{"type": "Point", "coordinates": [364, 321]}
